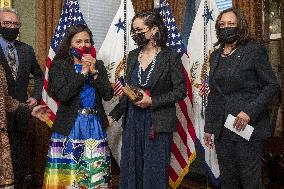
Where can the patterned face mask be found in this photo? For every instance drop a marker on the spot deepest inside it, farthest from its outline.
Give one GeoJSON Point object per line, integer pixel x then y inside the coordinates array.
{"type": "Point", "coordinates": [78, 53]}
{"type": "Point", "coordinates": [140, 39]}
{"type": "Point", "coordinates": [229, 34]}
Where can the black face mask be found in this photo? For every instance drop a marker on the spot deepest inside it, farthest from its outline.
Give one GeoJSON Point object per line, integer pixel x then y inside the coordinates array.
{"type": "Point", "coordinates": [140, 39]}
{"type": "Point", "coordinates": [10, 34]}
{"type": "Point", "coordinates": [228, 34]}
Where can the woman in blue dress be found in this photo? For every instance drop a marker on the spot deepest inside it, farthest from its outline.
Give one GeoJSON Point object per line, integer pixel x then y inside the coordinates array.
{"type": "Point", "coordinates": [78, 154]}
{"type": "Point", "coordinates": [149, 123]}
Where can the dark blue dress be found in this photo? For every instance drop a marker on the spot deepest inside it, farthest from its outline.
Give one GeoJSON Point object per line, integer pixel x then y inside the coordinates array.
{"type": "Point", "coordinates": [144, 159]}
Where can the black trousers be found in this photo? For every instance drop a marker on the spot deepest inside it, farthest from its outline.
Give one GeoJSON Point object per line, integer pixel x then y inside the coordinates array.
{"type": "Point", "coordinates": [240, 164]}
{"type": "Point", "coordinates": [20, 149]}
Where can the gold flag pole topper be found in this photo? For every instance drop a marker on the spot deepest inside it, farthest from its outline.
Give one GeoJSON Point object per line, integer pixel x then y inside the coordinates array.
{"type": "Point", "coordinates": [5, 3]}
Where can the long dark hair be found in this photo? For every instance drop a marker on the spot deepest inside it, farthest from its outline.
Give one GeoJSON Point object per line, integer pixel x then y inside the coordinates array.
{"type": "Point", "coordinates": [63, 51]}
{"type": "Point", "coordinates": [244, 33]}
{"type": "Point", "coordinates": [64, 46]}
{"type": "Point", "coordinates": [151, 19]}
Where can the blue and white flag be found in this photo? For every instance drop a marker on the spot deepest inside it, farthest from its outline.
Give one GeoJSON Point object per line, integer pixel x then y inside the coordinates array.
{"type": "Point", "coordinates": [200, 45]}
{"type": "Point", "coordinates": [112, 53]}
{"type": "Point", "coordinates": [112, 49]}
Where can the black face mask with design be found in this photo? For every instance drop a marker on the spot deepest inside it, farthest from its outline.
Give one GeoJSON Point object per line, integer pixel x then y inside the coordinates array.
{"type": "Point", "coordinates": [140, 39]}
{"type": "Point", "coordinates": [10, 34]}
{"type": "Point", "coordinates": [228, 34]}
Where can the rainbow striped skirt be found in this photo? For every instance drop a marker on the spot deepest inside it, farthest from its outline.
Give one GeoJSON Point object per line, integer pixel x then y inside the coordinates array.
{"type": "Point", "coordinates": [81, 159]}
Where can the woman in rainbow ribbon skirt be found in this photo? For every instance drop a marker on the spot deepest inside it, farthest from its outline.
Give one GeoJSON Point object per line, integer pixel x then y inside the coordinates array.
{"type": "Point", "coordinates": [78, 155]}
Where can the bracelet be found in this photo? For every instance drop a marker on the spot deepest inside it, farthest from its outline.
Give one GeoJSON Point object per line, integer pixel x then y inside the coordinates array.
{"type": "Point", "coordinates": [84, 74]}
{"type": "Point", "coordinates": [96, 72]}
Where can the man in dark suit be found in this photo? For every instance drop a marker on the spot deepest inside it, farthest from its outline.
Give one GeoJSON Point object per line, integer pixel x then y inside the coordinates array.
{"type": "Point", "coordinates": [19, 61]}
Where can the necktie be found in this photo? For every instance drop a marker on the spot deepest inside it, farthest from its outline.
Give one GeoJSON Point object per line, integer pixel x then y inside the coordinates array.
{"type": "Point", "coordinates": [12, 61]}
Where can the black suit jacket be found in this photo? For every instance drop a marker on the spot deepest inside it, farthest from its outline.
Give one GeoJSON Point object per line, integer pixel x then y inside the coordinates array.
{"type": "Point", "coordinates": [250, 87]}
{"type": "Point", "coordinates": [168, 87]}
{"type": "Point", "coordinates": [67, 85]}
{"type": "Point", "coordinates": [27, 65]}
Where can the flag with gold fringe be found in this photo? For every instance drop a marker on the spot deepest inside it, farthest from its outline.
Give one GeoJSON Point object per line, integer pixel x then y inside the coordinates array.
{"type": "Point", "coordinates": [200, 45]}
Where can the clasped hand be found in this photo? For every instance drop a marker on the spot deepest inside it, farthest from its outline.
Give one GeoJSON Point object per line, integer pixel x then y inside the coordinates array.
{"type": "Point", "coordinates": [88, 64]}
{"type": "Point", "coordinates": [145, 102]}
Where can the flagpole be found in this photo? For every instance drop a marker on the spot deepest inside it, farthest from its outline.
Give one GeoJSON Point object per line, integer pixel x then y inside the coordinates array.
{"type": "Point", "coordinates": [207, 175]}
{"type": "Point", "coordinates": [207, 182]}
{"type": "Point", "coordinates": [124, 34]}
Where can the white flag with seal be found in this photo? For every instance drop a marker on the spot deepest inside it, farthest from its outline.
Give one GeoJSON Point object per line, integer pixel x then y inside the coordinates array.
{"type": "Point", "coordinates": [112, 53]}
{"type": "Point", "coordinates": [200, 45]}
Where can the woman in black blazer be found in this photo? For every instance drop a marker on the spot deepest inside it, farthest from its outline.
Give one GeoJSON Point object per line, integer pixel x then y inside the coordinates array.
{"type": "Point", "coordinates": [78, 155]}
{"type": "Point", "coordinates": [149, 123]}
{"type": "Point", "coordinates": [242, 84]}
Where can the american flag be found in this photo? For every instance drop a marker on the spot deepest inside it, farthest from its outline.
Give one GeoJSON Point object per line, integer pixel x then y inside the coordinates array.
{"type": "Point", "coordinates": [70, 15]}
{"type": "Point", "coordinates": [183, 149]}
{"type": "Point", "coordinates": [118, 86]}
{"type": "Point", "coordinates": [204, 91]}
{"type": "Point", "coordinates": [204, 88]}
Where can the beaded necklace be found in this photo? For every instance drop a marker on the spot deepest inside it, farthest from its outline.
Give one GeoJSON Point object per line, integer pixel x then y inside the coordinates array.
{"type": "Point", "coordinates": [150, 71]}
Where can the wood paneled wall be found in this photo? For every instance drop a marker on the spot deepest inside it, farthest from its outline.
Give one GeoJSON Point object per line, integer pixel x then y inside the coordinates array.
{"type": "Point", "coordinates": [253, 11]}
{"type": "Point", "coordinates": [47, 13]}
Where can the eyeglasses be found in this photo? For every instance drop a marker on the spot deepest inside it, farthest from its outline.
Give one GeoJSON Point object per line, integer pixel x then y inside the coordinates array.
{"type": "Point", "coordinates": [138, 30]}
{"type": "Point", "coordinates": [9, 24]}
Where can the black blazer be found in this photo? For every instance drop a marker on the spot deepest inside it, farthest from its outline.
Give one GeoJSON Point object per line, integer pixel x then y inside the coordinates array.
{"type": "Point", "coordinates": [250, 87]}
{"type": "Point", "coordinates": [168, 87]}
{"type": "Point", "coordinates": [67, 84]}
{"type": "Point", "coordinates": [27, 65]}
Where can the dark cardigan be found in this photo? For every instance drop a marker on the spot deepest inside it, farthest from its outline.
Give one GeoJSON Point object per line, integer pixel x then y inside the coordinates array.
{"type": "Point", "coordinates": [66, 85]}
{"type": "Point", "coordinates": [250, 87]}
{"type": "Point", "coordinates": [168, 87]}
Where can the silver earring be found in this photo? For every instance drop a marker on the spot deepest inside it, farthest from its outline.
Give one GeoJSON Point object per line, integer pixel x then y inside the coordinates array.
{"type": "Point", "coordinates": [154, 42]}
